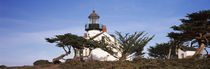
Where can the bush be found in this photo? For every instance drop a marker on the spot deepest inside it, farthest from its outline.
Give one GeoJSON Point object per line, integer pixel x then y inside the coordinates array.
{"type": "Point", "coordinates": [3, 67]}
{"type": "Point", "coordinates": [56, 62]}
{"type": "Point", "coordinates": [41, 62]}
{"type": "Point", "coordinates": [138, 59]}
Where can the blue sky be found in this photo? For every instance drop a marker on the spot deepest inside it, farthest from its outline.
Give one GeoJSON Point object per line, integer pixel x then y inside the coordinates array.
{"type": "Point", "coordinates": [25, 23]}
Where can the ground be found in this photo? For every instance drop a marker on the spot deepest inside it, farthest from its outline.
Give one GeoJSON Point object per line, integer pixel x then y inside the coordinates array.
{"type": "Point", "coordinates": [136, 64]}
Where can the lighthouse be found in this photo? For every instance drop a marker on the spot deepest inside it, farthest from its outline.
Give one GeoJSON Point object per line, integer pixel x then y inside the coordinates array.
{"type": "Point", "coordinates": [96, 31]}
{"type": "Point", "coordinates": [94, 27]}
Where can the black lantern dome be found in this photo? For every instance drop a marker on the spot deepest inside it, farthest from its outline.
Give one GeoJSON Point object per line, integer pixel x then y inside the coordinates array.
{"type": "Point", "coordinates": [93, 24]}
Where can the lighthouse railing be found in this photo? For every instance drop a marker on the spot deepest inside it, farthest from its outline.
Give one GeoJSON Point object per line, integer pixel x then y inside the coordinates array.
{"type": "Point", "coordinates": [93, 26]}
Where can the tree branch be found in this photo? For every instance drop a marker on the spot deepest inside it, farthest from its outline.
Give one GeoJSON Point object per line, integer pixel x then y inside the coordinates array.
{"type": "Point", "coordinates": [64, 49]}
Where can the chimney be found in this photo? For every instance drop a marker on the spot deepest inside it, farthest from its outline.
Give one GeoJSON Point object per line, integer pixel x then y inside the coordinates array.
{"type": "Point", "coordinates": [85, 35]}
{"type": "Point", "coordinates": [104, 28]}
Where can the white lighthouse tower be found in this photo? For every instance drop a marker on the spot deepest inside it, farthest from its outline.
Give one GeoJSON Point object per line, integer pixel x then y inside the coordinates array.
{"type": "Point", "coordinates": [96, 31]}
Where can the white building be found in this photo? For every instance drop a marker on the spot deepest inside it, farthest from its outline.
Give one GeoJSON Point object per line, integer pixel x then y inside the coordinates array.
{"type": "Point", "coordinates": [186, 52]}
{"type": "Point", "coordinates": [96, 31]}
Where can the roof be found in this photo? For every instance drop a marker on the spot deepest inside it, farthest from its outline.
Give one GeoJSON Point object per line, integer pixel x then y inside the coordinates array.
{"type": "Point", "coordinates": [188, 48]}
{"type": "Point", "coordinates": [93, 15]}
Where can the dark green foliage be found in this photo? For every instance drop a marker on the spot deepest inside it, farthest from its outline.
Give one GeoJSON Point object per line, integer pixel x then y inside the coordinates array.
{"type": "Point", "coordinates": [41, 62]}
{"type": "Point", "coordinates": [191, 28]}
{"type": "Point", "coordinates": [132, 43]}
{"type": "Point", "coordinates": [161, 50]}
{"type": "Point", "coordinates": [3, 67]}
{"type": "Point", "coordinates": [67, 40]}
{"type": "Point", "coordinates": [56, 62]}
{"type": "Point", "coordinates": [77, 43]}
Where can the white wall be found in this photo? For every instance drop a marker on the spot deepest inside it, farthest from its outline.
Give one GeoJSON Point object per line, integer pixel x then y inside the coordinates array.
{"type": "Point", "coordinates": [92, 33]}
{"type": "Point", "coordinates": [186, 53]}
{"type": "Point", "coordinates": [99, 54]}
{"type": "Point", "coordinates": [180, 52]}
{"type": "Point", "coordinates": [190, 53]}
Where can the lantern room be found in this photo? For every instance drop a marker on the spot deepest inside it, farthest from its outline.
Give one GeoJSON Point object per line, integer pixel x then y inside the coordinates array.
{"type": "Point", "coordinates": [93, 22]}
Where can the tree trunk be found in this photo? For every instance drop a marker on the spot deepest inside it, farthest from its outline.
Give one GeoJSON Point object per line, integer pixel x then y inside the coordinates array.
{"type": "Point", "coordinates": [201, 45]}
{"type": "Point", "coordinates": [200, 49]}
{"type": "Point", "coordinates": [123, 58]}
{"type": "Point", "coordinates": [75, 54]}
{"type": "Point", "coordinates": [207, 53]}
{"type": "Point", "coordinates": [55, 60]}
{"type": "Point", "coordinates": [81, 54]}
{"type": "Point", "coordinates": [64, 49]}
{"type": "Point", "coordinates": [89, 55]}
{"type": "Point", "coordinates": [90, 50]}
{"type": "Point", "coordinates": [176, 50]}
{"type": "Point", "coordinates": [169, 52]}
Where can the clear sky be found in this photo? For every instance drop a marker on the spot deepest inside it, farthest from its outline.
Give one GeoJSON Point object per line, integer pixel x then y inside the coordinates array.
{"type": "Point", "coordinates": [24, 24]}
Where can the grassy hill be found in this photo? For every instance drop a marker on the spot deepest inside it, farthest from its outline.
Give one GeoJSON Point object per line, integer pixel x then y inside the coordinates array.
{"type": "Point", "coordinates": [136, 64]}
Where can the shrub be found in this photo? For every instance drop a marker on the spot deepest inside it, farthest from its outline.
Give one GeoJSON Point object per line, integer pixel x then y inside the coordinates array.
{"type": "Point", "coordinates": [3, 67]}
{"type": "Point", "coordinates": [41, 62]}
{"type": "Point", "coordinates": [138, 59]}
{"type": "Point", "coordinates": [56, 62]}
